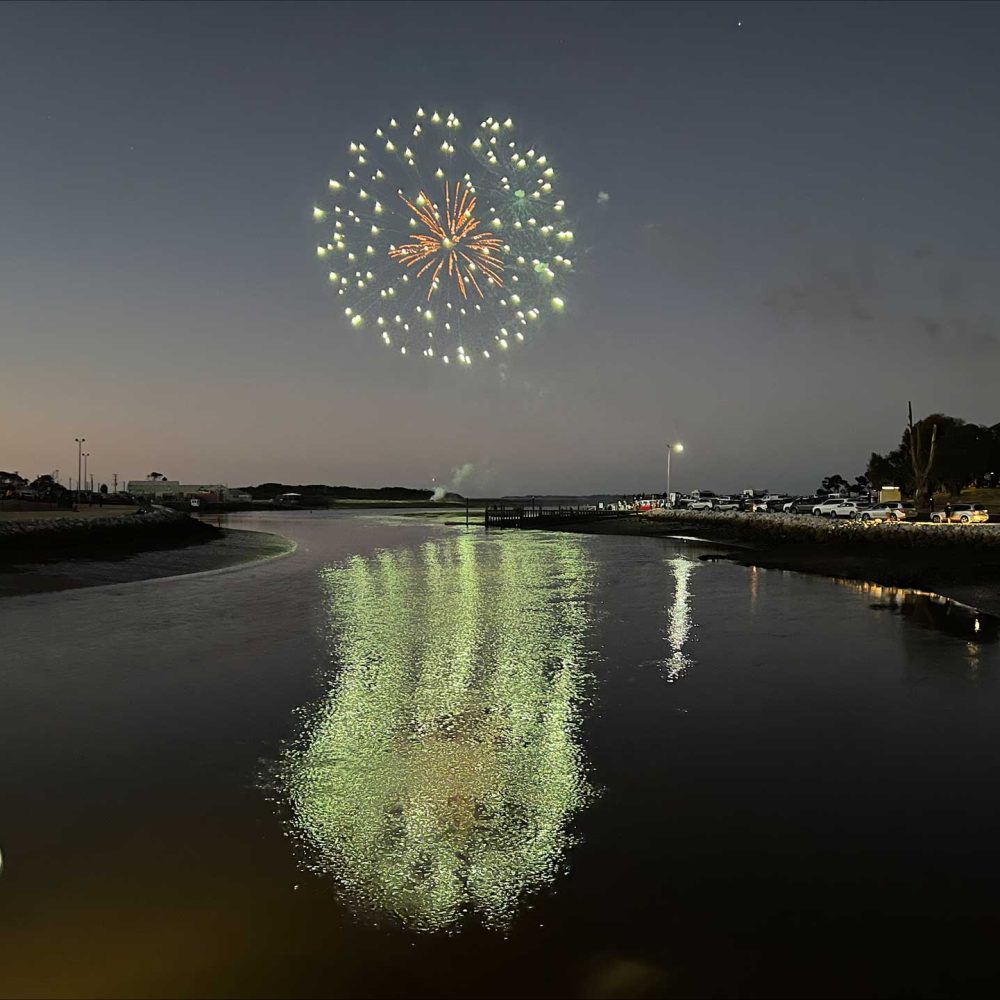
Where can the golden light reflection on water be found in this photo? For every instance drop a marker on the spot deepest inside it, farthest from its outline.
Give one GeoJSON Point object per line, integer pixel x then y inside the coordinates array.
{"type": "Point", "coordinates": [438, 778]}
{"type": "Point", "coordinates": [934, 612]}
{"type": "Point", "coordinates": [679, 621]}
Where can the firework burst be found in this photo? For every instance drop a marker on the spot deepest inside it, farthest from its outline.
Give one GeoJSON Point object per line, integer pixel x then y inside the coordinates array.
{"type": "Point", "coordinates": [452, 240]}
{"type": "Point", "coordinates": [450, 243]}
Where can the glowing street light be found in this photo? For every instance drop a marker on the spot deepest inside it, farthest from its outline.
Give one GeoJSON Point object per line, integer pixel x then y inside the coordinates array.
{"type": "Point", "coordinates": [678, 447]}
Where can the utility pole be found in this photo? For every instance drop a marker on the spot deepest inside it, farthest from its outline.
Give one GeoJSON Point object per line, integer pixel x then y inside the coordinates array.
{"type": "Point", "coordinates": [79, 462]}
{"type": "Point", "coordinates": [116, 482]}
{"type": "Point", "coordinates": [677, 446]}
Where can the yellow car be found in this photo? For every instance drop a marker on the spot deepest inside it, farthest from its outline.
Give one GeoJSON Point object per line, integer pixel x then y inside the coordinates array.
{"type": "Point", "coordinates": [962, 513]}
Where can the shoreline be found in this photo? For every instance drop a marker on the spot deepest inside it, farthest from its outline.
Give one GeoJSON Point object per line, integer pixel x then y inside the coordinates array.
{"type": "Point", "coordinates": [953, 563]}
{"type": "Point", "coordinates": [226, 548]}
{"type": "Point", "coordinates": [245, 507]}
{"type": "Point", "coordinates": [961, 568]}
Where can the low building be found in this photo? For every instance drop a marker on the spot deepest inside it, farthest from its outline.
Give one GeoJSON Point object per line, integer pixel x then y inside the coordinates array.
{"type": "Point", "coordinates": [171, 489]}
{"type": "Point", "coordinates": [153, 488]}
{"type": "Point", "coordinates": [201, 491]}
{"type": "Point", "coordinates": [213, 492]}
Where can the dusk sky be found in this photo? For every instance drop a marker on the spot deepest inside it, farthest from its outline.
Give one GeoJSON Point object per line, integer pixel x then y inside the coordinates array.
{"type": "Point", "coordinates": [802, 234]}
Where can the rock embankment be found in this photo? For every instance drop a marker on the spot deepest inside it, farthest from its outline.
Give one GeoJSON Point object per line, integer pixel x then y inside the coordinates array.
{"type": "Point", "coordinates": [51, 538]}
{"type": "Point", "coordinates": [782, 529]}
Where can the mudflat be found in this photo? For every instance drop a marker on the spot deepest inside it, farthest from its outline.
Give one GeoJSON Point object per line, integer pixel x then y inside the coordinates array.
{"type": "Point", "coordinates": [96, 567]}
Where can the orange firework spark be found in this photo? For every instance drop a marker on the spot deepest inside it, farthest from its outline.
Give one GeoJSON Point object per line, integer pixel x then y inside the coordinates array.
{"type": "Point", "coordinates": [453, 242]}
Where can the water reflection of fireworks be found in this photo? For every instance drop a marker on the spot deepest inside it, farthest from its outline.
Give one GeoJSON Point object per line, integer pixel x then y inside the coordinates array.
{"type": "Point", "coordinates": [438, 778]}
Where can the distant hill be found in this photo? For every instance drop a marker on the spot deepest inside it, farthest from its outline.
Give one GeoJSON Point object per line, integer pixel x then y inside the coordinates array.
{"type": "Point", "coordinates": [268, 491]}
{"type": "Point", "coordinates": [551, 498]}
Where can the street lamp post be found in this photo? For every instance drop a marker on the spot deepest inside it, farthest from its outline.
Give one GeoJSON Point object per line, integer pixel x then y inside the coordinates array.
{"type": "Point", "coordinates": [86, 455]}
{"type": "Point", "coordinates": [79, 463]}
{"type": "Point", "coordinates": [678, 447]}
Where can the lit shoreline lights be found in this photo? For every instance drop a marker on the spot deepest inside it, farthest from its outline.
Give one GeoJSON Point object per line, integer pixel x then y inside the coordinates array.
{"type": "Point", "coordinates": [450, 243]}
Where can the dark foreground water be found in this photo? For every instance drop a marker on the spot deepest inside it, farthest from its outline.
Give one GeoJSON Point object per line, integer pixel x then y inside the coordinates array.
{"type": "Point", "coordinates": [412, 760]}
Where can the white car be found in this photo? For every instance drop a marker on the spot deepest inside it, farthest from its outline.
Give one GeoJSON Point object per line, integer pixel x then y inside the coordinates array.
{"type": "Point", "coordinates": [847, 508]}
{"type": "Point", "coordinates": [727, 503]}
{"type": "Point", "coordinates": [707, 504]}
{"type": "Point", "coordinates": [879, 512]}
{"type": "Point", "coordinates": [827, 506]}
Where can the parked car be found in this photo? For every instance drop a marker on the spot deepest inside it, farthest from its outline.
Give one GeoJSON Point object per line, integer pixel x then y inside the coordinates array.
{"type": "Point", "coordinates": [962, 513]}
{"type": "Point", "coordinates": [727, 503]}
{"type": "Point", "coordinates": [804, 505]}
{"type": "Point", "coordinates": [847, 508]}
{"type": "Point", "coordinates": [904, 510]}
{"type": "Point", "coordinates": [826, 507]}
{"type": "Point", "coordinates": [756, 506]}
{"type": "Point", "coordinates": [707, 504]}
{"type": "Point", "coordinates": [878, 512]}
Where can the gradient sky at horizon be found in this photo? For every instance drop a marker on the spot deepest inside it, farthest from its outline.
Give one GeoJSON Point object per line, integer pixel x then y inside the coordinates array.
{"type": "Point", "coordinates": [802, 234]}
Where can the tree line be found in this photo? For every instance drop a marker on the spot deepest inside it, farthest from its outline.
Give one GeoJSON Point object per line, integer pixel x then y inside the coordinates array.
{"type": "Point", "coordinates": [938, 454]}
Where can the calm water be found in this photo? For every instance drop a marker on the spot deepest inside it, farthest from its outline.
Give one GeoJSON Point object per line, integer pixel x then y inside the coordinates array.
{"type": "Point", "coordinates": [412, 760]}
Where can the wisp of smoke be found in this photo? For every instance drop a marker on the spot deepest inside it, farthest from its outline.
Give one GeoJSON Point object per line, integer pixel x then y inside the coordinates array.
{"type": "Point", "coordinates": [458, 475]}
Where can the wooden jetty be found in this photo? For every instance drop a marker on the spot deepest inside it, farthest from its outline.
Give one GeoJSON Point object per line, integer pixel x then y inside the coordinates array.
{"type": "Point", "coordinates": [504, 516]}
